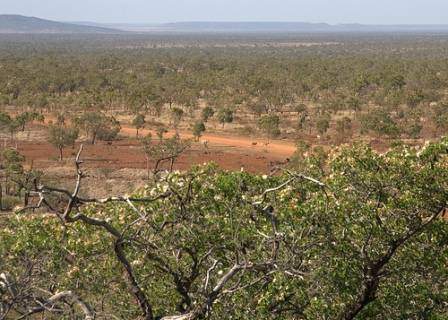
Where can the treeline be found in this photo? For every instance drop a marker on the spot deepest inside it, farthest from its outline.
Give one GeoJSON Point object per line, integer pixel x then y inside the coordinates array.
{"type": "Point", "coordinates": [401, 82]}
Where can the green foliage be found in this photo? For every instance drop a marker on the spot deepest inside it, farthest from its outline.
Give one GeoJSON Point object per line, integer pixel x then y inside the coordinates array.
{"type": "Point", "coordinates": [440, 117]}
{"type": "Point", "coordinates": [176, 117]}
{"type": "Point", "coordinates": [380, 122]}
{"type": "Point", "coordinates": [323, 123]}
{"type": "Point", "coordinates": [26, 117]}
{"type": "Point", "coordinates": [370, 228]}
{"type": "Point", "coordinates": [225, 115]}
{"type": "Point", "coordinates": [207, 113]}
{"type": "Point", "coordinates": [62, 137]}
{"type": "Point", "coordinates": [82, 75]}
{"type": "Point", "coordinates": [138, 122]}
{"type": "Point", "coordinates": [198, 129]}
{"type": "Point", "coordinates": [413, 124]}
{"type": "Point", "coordinates": [414, 98]}
{"type": "Point", "coordinates": [12, 161]}
{"type": "Point", "coordinates": [98, 126]}
{"type": "Point", "coordinates": [166, 150]}
{"type": "Point", "coordinates": [270, 125]}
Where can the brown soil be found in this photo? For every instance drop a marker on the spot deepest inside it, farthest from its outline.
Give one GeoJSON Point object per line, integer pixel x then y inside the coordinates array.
{"type": "Point", "coordinates": [128, 154]}
{"type": "Point", "coordinates": [276, 149]}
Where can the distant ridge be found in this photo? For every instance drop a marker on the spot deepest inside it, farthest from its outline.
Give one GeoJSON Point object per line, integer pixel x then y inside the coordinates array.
{"type": "Point", "coordinates": [209, 26]}
{"type": "Point", "coordinates": [20, 24]}
{"type": "Point", "coordinates": [264, 27]}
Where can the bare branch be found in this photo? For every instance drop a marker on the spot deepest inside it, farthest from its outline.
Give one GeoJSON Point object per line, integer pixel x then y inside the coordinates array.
{"type": "Point", "coordinates": [49, 304]}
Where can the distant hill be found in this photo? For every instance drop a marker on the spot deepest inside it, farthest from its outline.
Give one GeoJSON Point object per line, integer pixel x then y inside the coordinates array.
{"type": "Point", "coordinates": [296, 27]}
{"type": "Point", "coordinates": [265, 27]}
{"type": "Point", "coordinates": [22, 24]}
{"type": "Point", "coordinates": [248, 26]}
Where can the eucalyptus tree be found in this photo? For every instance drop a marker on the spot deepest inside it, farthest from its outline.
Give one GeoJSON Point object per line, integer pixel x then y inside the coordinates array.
{"type": "Point", "coordinates": [138, 122]}
{"type": "Point", "coordinates": [198, 129]}
{"type": "Point", "coordinates": [166, 150]}
{"type": "Point", "coordinates": [207, 113]}
{"type": "Point", "coordinates": [97, 125]}
{"type": "Point", "coordinates": [62, 137]}
{"type": "Point", "coordinates": [225, 115]}
{"type": "Point", "coordinates": [360, 238]}
{"type": "Point", "coordinates": [270, 125]}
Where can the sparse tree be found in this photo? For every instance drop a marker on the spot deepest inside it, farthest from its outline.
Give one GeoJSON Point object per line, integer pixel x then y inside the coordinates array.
{"type": "Point", "coordinates": [61, 137]}
{"type": "Point", "coordinates": [98, 125]}
{"type": "Point", "coordinates": [270, 125]}
{"type": "Point", "coordinates": [225, 115]}
{"type": "Point", "coordinates": [176, 117]}
{"type": "Point", "coordinates": [161, 132]}
{"type": "Point", "coordinates": [138, 122]}
{"type": "Point", "coordinates": [166, 150]}
{"type": "Point", "coordinates": [323, 123]}
{"type": "Point", "coordinates": [440, 117]}
{"type": "Point", "coordinates": [198, 129]}
{"type": "Point", "coordinates": [207, 113]}
{"type": "Point", "coordinates": [344, 128]}
{"type": "Point", "coordinates": [380, 122]}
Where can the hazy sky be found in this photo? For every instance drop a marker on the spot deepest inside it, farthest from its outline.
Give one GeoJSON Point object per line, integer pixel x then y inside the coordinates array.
{"type": "Point", "coordinates": [154, 11]}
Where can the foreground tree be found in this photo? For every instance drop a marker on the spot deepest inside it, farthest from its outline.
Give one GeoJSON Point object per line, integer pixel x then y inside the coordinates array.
{"type": "Point", "coordinates": [361, 238]}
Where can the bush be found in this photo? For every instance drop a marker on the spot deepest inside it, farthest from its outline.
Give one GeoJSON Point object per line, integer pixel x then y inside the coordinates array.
{"type": "Point", "coordinates": [10, 202]}
{"type": "Point", "coordinates": [214, 244]}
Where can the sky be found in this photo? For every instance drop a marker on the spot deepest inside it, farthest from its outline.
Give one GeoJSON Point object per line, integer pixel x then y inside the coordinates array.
{"type": "Point", "coordinates": [157, 11]}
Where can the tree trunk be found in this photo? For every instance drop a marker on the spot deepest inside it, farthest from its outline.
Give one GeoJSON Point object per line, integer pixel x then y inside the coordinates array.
{"type": "Point", "coordinates": [1, 197]}
{"type": "Point", "coordinates": [148, 170]}
{"type": "Point", "coordinates": [26, 198]}
{"type": "Point", "coordinates": [60, 154]}
{"type": "Point", "coordinates": [93, 138]}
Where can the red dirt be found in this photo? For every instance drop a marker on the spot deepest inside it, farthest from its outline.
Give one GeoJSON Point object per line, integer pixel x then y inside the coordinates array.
{"type": "Point", "coordinates": [277, 149]}
{"type": "Point", "coordinates": [128, 154]}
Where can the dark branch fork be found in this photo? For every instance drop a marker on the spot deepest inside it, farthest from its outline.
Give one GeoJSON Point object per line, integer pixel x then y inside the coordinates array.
{"type": "Point", "coordinates": [73, 213]}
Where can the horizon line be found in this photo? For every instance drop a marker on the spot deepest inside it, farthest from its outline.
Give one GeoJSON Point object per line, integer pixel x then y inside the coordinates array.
{"type": "Point", "coordinates": [229, 21]}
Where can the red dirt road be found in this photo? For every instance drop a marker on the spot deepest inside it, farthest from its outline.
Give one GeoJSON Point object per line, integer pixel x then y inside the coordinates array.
{"type": "Point", "coordinates": [127, 153]}
{"type": "Point", "coordinates": [275, 149]}
{"type": "Point", "coordinates": [229, 152]}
